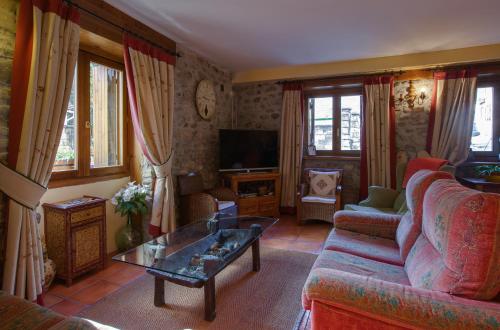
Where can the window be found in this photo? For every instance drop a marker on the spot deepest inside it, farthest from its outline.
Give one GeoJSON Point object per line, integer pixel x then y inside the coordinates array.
{"type": "Point", "coordinates": [485, 130]}
{"type": "Point", "coordinates": [334, 122]}
{"type": "Point", "coordinates": [93, 141]}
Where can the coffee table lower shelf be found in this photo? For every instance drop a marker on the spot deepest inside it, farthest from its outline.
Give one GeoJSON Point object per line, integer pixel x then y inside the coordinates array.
{"type": "Point", "coordinates": [208, 285]}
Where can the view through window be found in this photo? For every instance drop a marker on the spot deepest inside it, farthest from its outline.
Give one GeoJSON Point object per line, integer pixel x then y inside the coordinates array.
{"type": "Point", "coordinates": [482, 129]}
{"type": "Point", "coordinates": [334, 123]}
{"type": "Point", "coordinates": [66, 152]}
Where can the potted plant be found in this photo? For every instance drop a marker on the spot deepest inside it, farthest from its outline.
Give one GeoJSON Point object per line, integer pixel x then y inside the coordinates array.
{"type": "Point", "coordinates": [489, 172]}
{"type": "Point", "coordinates": [130, 201]}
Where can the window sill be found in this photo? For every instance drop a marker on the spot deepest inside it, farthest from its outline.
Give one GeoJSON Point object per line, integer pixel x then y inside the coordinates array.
{"type": "Point", "coordinates": [76, 181]}
{"type": "Point", "coordinates": [333, 157]}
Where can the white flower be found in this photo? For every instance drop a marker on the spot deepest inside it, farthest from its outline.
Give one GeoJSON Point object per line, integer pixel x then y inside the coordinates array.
{"type": "Point", "coordinates": [114, 201]}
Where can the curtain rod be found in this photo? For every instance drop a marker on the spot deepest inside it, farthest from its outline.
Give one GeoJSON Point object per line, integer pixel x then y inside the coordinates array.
{"type": "Point", "coordinates": [171, 52]}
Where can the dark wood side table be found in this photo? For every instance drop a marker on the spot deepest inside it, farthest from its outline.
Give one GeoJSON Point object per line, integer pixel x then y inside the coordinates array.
{"type": "Point", "coordinates": [75, 234]}
{"type": "Point", "coordinates": [480, 184]}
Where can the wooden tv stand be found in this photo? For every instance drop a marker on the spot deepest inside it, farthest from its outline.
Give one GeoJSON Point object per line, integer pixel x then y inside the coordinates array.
{"type": "Point", "coordinates": [265, 205]}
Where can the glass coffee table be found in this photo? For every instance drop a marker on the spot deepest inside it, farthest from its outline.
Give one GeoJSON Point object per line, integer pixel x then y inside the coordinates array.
{"type": "Point", "coordinates": [194, 254]}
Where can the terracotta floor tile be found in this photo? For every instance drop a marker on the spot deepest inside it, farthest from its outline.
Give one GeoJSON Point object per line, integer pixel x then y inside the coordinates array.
{"type": "Point", "coordinates": [307, 247]}
{"type": "Point", "coordinates": [126, 275]}
{"type": "Point", "coordinates": [112, 268]}
{"type": "Point", "coordinates": [67, 307]}
{"type": "Point", "coordinates": [79, 284]}
{"type": "Point", "coordinates": [95, 292]}
{"type": "Point", "coordinates": [50, 299]}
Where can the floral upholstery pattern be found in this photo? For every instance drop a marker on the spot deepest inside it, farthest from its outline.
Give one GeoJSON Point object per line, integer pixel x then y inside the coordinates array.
{"type": "Point", "coordinates": [373, 224]}
{"type": "Point", "coordinates": [361, 266]}
{"type": "Point", "coordinates": [366, 246]}
{"type": "Point", "coordinates": [459, 249]}
{"type": "Point", "coordinates": [452, 266]}
{"type": "Point", "coordinates": [395, 303]}
{"type": "Point", "coordinates": [17, 313]}
{"type": "Point", "coordinates": [411, 223]}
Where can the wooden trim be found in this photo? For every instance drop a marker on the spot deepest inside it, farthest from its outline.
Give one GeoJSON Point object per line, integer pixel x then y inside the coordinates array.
{"type": "Point", "coordinates": [76, 181]}
{"type": "Point", "coordinates": [116, 16]}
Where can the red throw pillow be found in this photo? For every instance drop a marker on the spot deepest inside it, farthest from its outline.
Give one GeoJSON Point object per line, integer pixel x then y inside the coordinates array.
{"type": "Point", "coordinates": [417, 164]}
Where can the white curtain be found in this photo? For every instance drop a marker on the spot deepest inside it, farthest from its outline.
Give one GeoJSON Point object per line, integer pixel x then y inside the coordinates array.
{"type": "Point", "coordinates": [150, 82]}
{"type": "Point", "coordinates": [378, 154]}
{"type": "Point", "coordinates": [44, 64]}
{"type": "Point", "coordinates": [292, 129]}
{"type": "Point", "coordinates": [452, 115]}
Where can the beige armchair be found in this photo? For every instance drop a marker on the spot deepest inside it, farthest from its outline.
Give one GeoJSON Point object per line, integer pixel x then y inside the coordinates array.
{"type": "Point", "coordinates": [314, 207]}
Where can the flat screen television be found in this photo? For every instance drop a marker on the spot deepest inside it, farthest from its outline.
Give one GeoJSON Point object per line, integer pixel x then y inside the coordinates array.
{"type": "Point", "coordinates": [247, 149]}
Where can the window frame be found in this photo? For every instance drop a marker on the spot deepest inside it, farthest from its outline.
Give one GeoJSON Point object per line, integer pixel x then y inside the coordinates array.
{"type": "Point", "coordinates": [83, 172]}
{"type": "Point", "coordinates": [491, 156]}
{"type": "Point", "coordinates": [336, 93]}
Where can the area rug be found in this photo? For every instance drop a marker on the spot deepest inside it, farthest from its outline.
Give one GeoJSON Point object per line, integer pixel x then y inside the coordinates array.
{"type": "Point", "coordinates": [269, 299]}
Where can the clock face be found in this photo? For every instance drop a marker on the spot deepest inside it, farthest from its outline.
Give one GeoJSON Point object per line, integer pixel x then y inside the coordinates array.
{"type": "Point", "coordinates": [205, 99]}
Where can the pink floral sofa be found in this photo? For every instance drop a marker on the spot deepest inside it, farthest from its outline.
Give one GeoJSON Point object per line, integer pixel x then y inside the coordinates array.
{"type": "Point", "coordinates": [437, 267]}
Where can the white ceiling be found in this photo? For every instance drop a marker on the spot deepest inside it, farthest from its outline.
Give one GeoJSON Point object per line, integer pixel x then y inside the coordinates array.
{"type": "Point", "coordinates": [248, 34]}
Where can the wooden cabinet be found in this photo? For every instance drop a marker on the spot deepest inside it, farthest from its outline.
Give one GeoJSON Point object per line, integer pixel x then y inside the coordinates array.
{"type": "Point", "coordinates": [75, 235]}
{"type": "Point", "coordinates": [250, 202]}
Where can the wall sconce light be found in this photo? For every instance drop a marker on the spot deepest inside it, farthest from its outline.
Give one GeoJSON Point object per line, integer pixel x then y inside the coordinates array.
{"type": "Point", "coordinates": [412, 97]}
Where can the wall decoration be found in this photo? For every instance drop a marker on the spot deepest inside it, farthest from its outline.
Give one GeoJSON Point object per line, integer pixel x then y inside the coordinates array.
{"type": "Point", "coordinates": [205, 99]}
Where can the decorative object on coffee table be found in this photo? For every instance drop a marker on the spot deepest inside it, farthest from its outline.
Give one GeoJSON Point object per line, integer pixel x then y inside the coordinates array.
{"type": "Point", "coordinates": [196, 253]}
{"type": "Point", "coordinates": [75, 232]}
{"type": "Point", "coordinates": [130, 201]}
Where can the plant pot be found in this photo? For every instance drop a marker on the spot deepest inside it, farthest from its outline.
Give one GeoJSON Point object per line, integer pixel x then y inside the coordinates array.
{"type": "Point", "coordinates": [495, 177]}
{"type": "Point", "coordinates": [128, 237]}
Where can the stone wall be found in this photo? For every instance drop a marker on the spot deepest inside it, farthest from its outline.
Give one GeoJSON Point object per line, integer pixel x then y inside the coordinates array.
{"type": "Point", "coordinates": [8, 14]}
{"type": "Point", "coordinates": [258, 106]}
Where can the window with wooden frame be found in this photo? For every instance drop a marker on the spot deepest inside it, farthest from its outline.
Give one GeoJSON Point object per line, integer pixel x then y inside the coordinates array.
{"type": "Point", "coordinates": [94, 139]}
{"type": "Point", "coordinates": [334, 121]}
{"type": "Point", "coordinates": [485, 143]}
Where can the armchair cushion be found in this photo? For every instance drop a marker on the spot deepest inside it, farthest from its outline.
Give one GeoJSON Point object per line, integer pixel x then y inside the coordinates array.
{"type": "Point", "coordinates": [222, 205]}
{"type": "Point", "coordinates": [318, 199]}
{"type": "Point", "coordinates": [370, 247]}
{"type": "Point", "coordinates": [397, 303]}
{"type": "Point", "coordinates": [458, 251]}
{"type": "Point", "coordinates": [359, 208]}
{"type": "Point", "coordinates": [323, 184]}
{"type": "Point", "coordinates": [411, 223]}
{"type": "Point", "coordinates": [380, 197]}
{"type": "Point", "coordinates": [373, 224]}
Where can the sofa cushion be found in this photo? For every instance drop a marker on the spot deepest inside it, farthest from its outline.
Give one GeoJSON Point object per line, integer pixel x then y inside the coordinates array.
{"type": "Point", "coordinates": [370, 247]}
{"type": "Point", "coordinates": [411, 224]}
{"type": "Point", "coordinates": [458, 251]}
{"type": "Point", "coordinates": [361, 266]}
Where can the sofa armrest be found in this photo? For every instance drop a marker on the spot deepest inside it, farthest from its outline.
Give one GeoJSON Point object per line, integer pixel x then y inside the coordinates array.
{"type": "Point", "coordinates": [368, 223]}
{"type": "Point", "coordinates": [380, 197]}
{"type": "Point", "coordinates": [398, 304]}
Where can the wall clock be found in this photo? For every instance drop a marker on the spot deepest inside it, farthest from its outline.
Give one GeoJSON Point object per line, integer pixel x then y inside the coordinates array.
{"type": "Point", "coordinates": [205, 99]}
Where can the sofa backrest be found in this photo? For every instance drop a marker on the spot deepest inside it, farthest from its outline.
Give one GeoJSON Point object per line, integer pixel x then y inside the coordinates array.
{"type": "Point", "coordinates": [458, 251]}
{"type": "Point", "coordinates": [411, 224]}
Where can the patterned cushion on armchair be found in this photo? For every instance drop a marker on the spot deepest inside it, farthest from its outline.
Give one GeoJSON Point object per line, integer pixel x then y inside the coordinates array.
{"type": "Point", "coordinates": [458, 251]}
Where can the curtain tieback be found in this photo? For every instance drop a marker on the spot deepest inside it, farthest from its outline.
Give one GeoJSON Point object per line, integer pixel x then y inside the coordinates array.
{"type": "Point", "coordinates": [163, 170]}
{"type": "Point", "coordinates": [20, 188]}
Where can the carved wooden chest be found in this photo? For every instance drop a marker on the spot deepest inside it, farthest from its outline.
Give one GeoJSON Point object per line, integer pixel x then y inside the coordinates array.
{"type": "Point", "coordinates": [75, 234]}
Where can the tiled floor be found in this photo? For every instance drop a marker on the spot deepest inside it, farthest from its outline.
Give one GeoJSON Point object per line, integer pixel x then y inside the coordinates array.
{"type": "Point", "coordinates": [96, 285]}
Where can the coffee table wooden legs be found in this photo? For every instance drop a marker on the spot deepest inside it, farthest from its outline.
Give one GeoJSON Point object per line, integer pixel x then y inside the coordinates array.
{"type": "Point", "coordinates": [159, 292]}
{"type": "Point", "coordinates": [256, 255]}
{"type": "Point", "coordinates": [209, 288]}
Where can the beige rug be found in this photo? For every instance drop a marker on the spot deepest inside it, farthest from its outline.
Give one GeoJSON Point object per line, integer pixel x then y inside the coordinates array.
{"type": "Point", "coordinates": [269, 299]}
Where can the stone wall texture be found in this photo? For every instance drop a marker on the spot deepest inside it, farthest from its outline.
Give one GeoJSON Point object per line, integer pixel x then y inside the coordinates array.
{"type": "Point", "coordinates": [8, 14]}
{"type": "Point", "coordinates": [258, 106]}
